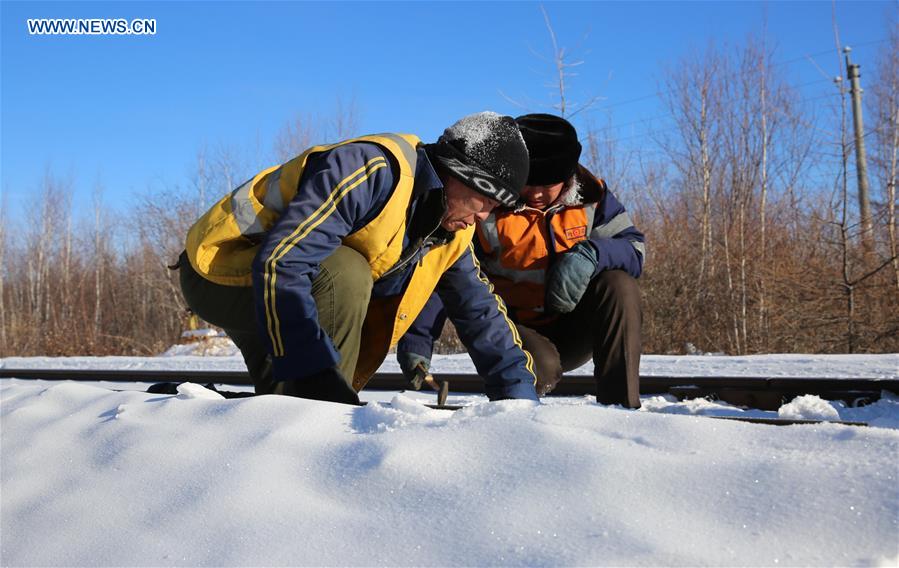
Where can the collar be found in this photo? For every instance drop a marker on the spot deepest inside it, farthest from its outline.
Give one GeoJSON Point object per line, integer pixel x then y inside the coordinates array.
{"type": "Point", "coordinates": [426, 178]}
{"type": "Point", "coordinates": [428, 203]}
{"type": "Point", "coordinates": [571, 196]}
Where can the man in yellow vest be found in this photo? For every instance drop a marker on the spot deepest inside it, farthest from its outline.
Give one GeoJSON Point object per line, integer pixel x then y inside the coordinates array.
{"type": "Point", "coordinates": [316, 267]}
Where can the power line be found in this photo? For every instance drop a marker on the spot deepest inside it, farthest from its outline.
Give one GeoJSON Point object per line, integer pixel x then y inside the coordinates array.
{"type": "Point", "coordinates": [671, 115]}
{"type": "Point", "coordinates": [776, 64]}
{"type": "Point", "coordinates": [831, 50]}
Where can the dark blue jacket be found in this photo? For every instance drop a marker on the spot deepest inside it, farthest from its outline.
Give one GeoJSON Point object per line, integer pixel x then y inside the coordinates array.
{"type": "Point", "coordinates": [506, 368]}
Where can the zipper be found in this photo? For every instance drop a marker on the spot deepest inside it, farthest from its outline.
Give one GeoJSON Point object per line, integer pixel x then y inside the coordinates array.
{"type": "Point", "coordinates": [426, 243]}
{"type": "Point", "coordinates": [550, 239]}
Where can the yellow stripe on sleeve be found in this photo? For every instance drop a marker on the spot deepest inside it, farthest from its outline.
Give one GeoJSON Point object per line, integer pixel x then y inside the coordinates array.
{"type": "Point", "coordinates": [501, 305]}
{"type": "Point", "coordinates": [324, 211]}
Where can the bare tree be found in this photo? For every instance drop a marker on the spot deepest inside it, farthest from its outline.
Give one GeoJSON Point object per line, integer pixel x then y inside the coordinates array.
{"type": "Point", "coordinates": [693, 99]}
{"type": "Point", "coordinates": [563, 64]}
{"type": "Point", "coordinates": [603, 155]}
{"type": "Point", "coordinates": [884, 107]}
{"type": "Point", "coordinates": [745, 204]}
{"type": "Point", "coordinates": [295, 137]}
{"type": "Point", "coordinates": [345, 122]}
{"type": "Point", "coordinates": [764, 109]}
{"type": "Point", "coordinates": [101, 236]}
{"type": "Point", "coordinates": [304, 130]}
{"type": "Point", "coordinates": [4, 305]}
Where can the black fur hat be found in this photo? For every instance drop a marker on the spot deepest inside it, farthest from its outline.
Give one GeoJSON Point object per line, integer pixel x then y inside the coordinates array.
{"type": "Point", "coordinates": [553, 147]}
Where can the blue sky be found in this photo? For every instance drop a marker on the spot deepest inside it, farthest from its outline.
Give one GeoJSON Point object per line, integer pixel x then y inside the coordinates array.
{"type": "Point", "coordinates": [132, 111]}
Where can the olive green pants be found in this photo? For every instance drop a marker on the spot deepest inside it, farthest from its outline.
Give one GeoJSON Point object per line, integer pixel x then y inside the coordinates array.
{"type": "Point", "coordinates": [341, 290]}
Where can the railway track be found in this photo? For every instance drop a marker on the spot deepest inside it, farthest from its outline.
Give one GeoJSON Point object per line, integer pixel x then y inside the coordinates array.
{"type": "Point", "coordinates": [765, 393]}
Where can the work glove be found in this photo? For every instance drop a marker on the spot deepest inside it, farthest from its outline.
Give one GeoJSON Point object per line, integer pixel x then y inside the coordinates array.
{"type": "Point", "coordinates": [328, 384]}
{"type": "Point", "coordinates": [415, 367]}
{"type": "Point", "coordinates": [568, 277]}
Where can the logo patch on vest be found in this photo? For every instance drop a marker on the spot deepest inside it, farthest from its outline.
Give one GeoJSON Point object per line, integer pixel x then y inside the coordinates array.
{"type": "Point", "coordinates": [576, 232]}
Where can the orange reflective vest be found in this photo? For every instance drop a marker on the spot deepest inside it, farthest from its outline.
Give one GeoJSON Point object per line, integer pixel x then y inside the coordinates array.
{"type": "Point", "coordinates": [517, 247]}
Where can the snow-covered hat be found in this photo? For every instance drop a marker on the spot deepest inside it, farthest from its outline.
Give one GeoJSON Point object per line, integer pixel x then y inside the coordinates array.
{"type": "Point", "coordinates": [487, 153]}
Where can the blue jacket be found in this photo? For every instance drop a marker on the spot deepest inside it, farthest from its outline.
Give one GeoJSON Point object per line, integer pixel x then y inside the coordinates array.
{"type": "Point", "coordinates": [477, 312]}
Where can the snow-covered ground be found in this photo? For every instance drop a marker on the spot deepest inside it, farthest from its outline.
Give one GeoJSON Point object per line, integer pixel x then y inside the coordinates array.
{"type": "Point", "coordinates": [226, 357]}
{"type": "Point", "coordinates": [91, 476]}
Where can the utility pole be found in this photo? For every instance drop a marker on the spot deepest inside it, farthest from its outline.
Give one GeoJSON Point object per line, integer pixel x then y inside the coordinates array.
{"type": "Point", "coordinates": [861, 163]}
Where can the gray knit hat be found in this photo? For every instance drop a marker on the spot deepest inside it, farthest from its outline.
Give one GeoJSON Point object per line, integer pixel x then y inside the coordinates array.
{"type": "Point", "coordinates": [486, 152]}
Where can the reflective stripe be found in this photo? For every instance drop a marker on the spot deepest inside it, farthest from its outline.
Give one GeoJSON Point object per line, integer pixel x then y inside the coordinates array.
{"type": "Point", "coordinates": [494, 268]}
{"type": "Point", "coordinates": [516, 338]}
{"type": "Point", "coordinates": [640, 247]}
{"type": "Point", "coordinates": [273, 199]}
{"type": "Point", "coordinates": [408, 150]}
{"type": "Point", "coordinates": [488, 226]}
{"type": "Point", "coordinates": [590, 211]}
{"type": "Point", "coordinates": [244, 212]}
{"type": "Point", "coordinates": [619, 223]}
{"type": "Point", "coordinates": [303, 229]}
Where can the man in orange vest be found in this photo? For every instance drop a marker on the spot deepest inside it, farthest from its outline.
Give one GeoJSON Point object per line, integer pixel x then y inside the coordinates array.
{"type": "Point", "coordinates": [565, 264]}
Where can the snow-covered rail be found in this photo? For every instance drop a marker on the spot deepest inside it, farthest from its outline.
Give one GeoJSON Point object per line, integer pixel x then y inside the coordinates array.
{"type": "Point", "coordinates": [757, 392]}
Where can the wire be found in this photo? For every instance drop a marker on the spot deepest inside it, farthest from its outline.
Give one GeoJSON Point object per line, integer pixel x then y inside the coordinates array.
{"type": "Point", "coordinates": [776, 64]}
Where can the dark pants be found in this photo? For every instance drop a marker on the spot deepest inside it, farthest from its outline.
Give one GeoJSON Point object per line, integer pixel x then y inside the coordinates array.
{"type": "Point", "coordinates": [342, 290]}
{"type": "Point", "coordinates": [605, 325]}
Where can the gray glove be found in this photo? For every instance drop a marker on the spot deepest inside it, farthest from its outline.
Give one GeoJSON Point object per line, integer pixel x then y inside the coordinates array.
{"type": "Point", "coordinates": [415, 367]}
{"type": "Point", "coordinates": [568, 277]}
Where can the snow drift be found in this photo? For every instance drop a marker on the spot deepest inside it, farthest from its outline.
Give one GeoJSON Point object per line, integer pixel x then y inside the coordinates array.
{"type": "Point", "coordinates": [94, 477]}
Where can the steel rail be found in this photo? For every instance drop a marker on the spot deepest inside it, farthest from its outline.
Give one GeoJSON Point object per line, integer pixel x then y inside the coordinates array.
{"type": "Point", "coordinates": [762, 392]}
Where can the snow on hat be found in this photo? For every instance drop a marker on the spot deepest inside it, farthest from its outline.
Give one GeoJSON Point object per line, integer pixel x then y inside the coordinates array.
{"type": "Point", "coordinates": [553, 146]}
{"type": "Point", "coordinates": [487, 153]}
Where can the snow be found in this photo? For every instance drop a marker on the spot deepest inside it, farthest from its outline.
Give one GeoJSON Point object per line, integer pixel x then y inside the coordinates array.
{"type": "Point", "coordinates": [205, 342]}
{"type": "Point", "coordinates": [192, 390]}
{"type": "Point", "coordinates": [808, 407]}
{"type": "Point", "coordinates": [95, 477]}
{"type": "Point", "coordinates": [884, 366]}
{"type": "Point", "coordinates": [482, 133]}
{"type": "Point", "coordinates": [202, 333]}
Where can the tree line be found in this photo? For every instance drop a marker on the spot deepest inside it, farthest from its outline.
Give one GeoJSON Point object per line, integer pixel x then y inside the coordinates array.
{"type": "Point", "coordinates": [747, 198]}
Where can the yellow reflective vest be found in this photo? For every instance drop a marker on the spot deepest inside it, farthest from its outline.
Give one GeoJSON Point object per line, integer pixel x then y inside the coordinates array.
{"type": "Point", "coordinates": [223, 243]}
